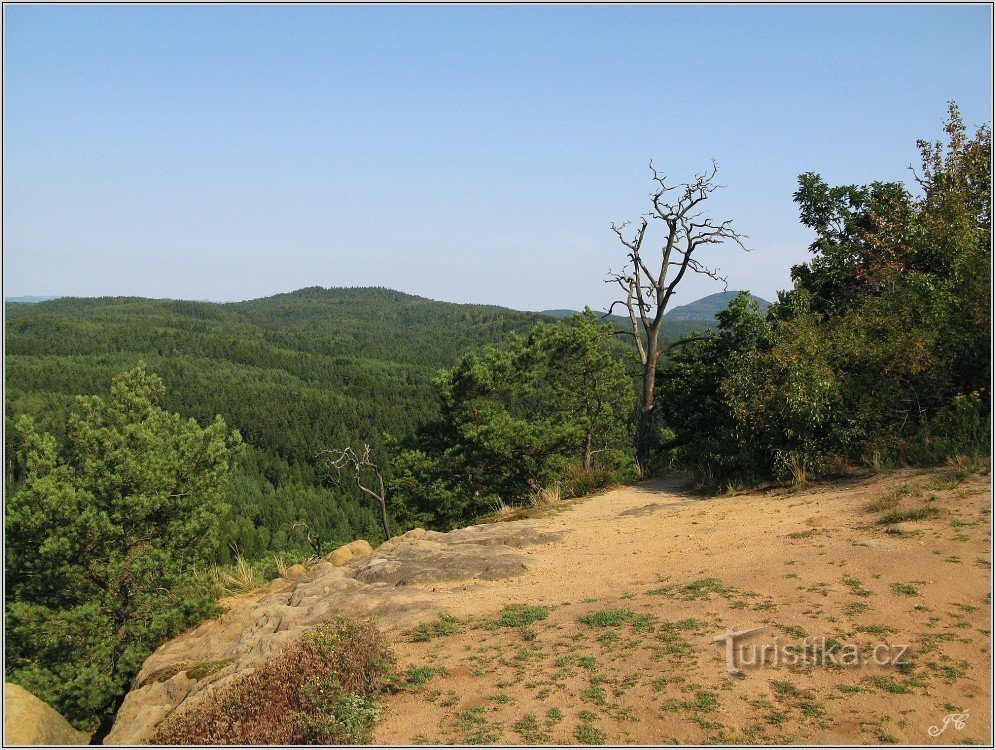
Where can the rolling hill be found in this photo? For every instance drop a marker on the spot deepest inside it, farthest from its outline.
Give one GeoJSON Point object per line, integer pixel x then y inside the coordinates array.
{"type": "Point", "coordinates": [688, 317]}
{"type": "Point", "coordinates": [705, 309]}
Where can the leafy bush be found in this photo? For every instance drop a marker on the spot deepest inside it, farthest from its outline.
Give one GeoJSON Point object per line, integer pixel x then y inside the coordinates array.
{"type": "Point", "coordinates": [322, 690]}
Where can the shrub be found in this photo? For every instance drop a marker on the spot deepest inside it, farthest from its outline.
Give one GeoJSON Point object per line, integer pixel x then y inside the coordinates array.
{"type": "Point", "coordinates": [321, 690]}
{"type": "Point", "coordinates": [579, 481]}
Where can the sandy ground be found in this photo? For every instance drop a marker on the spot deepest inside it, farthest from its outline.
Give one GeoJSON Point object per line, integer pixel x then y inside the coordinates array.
{"type": "Point", "coordinates": [644, 578]}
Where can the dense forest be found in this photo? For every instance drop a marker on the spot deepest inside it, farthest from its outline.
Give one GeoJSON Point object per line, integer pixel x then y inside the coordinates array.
{"type": "Point", "coordinates": [147, 439]}
{"type": "Point", "coordinates": [296, 374]}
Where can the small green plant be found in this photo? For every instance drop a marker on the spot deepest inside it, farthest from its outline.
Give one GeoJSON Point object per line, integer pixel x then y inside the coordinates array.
{"type": "Point", "coordinates": [420, 675]}
{"type": "Point", "coordinates": [905, 589]}
{"type": "Point", "coordinates": [588, 734]}
{"type": "Point", "coordinates": [520, 616]}
{"type": "Point", "coordinates": [607, 617]}
{"type": "Point", "coordinates": [446, 625]}
{"type": "Point", "coordinates": [207, 668]}
{"type": "Point", "coordinates": [588, 662]}
{"type": "Point", "coordinates": [595, 692]}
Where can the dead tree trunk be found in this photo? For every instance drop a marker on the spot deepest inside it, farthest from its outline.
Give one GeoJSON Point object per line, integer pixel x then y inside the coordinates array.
{"type": "Point", "coordinates": [347, 459]}
{"type": "Point", "coordinates": [648, 283]}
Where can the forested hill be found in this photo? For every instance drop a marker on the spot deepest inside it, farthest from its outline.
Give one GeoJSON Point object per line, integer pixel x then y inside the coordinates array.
{"type": "Point", "coordinates": [707, 307]}
{"type": "Point", "coordinates": [681, 320]}
{"type": "Point", "coordinates": [295, 373]}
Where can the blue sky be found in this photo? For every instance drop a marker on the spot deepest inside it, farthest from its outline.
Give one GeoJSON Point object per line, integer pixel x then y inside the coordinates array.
{"type": "Point", "coordinates": [472, 154]}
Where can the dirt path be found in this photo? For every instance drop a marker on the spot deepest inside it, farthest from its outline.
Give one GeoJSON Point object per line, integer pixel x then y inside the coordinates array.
{"type": "Point", "coordinates": [639, 581]}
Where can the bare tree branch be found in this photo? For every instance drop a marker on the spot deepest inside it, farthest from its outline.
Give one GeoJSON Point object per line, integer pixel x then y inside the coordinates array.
{"type": "Point", "coordinates": [348, 460]}
{"type": "Point", "coordinates": [648, 281]}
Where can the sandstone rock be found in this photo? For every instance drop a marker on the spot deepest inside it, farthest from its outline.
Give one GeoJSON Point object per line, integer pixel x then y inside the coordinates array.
{"type": "Point", "coordinates": [296, 571]}
{"type": "Point", "coordinates": [28, 720]}
{"type": "Point", "coordinates": [276, 584]}
{"type": "Point", "coordinates": [340, 556]}
{"type": "Point", "coordinates": [319, 568]}
{"type": "Point", "coordinates": [347, 552]}
{"type": "Point", "coordinates": [394, 586]}
{"type": "Point", "coordinates": [359, 547]}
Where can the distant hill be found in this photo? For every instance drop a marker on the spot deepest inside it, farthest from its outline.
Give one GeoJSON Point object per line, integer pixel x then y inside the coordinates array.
{"type": "Point", "coordinates": [699, 312]}
{"type": "Point", "coordinates": [28, 299]}
{"type": "Point", "coordinates": [707, 307]}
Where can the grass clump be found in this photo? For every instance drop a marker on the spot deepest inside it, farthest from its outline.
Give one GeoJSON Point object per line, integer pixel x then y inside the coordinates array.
{"type": "Point", "coordinates": [607, 618]}
{"type": "Point", "coordinates": [420, 675]}
{"type": "Point", "coordinates": [476, 730]}
{"type": "Point", "coordinates": [905, 589]}
{"type": "Point", "coordinates": [528, 728]}
{"type": "Point", "coordinates": [856, 587]}
{"type": "Point", "coordinates": [324, 689]}
{"type": "Point", "coordinates": [702, 588]}
{"type": "Point", "coordinates": [427, 631]}
{"type": "Point", "coordinates": [922, 513]}
{"type": "Point", "coordinates": [520, 616]}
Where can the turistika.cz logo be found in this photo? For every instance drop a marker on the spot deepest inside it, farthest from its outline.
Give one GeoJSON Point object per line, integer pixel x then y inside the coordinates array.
{"type": "Point", "coordinates": [810, 652]}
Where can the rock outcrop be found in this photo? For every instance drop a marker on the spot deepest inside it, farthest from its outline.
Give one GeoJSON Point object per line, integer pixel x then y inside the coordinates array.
{"type": "Point", "coordinates": [28, 720]}
{"type": "Point", "coordinates": [393, 584]}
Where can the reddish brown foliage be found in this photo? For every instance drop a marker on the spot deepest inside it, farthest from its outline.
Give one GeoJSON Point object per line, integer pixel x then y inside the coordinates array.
{"type": "Point", "coordinates": [321, 689]}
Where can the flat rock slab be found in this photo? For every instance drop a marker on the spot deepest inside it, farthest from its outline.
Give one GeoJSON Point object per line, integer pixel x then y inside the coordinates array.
{"type": "Point", "coordinates": [392, 584]}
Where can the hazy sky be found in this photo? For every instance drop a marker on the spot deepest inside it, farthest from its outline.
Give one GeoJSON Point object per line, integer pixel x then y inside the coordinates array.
{"type": "Point", "coordinates": [473, 154]}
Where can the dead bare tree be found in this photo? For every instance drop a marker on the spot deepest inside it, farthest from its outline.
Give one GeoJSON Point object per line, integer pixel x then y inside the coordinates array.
{"type": "Point", "coordinates": [648, 287]}
{"type": "Point", "coordinates": [347, 459]}
{"type": "Point", "coordinates": [313, 539]}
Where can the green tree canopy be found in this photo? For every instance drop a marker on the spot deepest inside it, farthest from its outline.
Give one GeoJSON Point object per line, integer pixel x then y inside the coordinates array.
{"type": "Point", "coordinates": [514, 420]}
{"type": "Point", "coordinates": [879, 353]}
{"type": "Point", "coordinates": [104, 533]}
